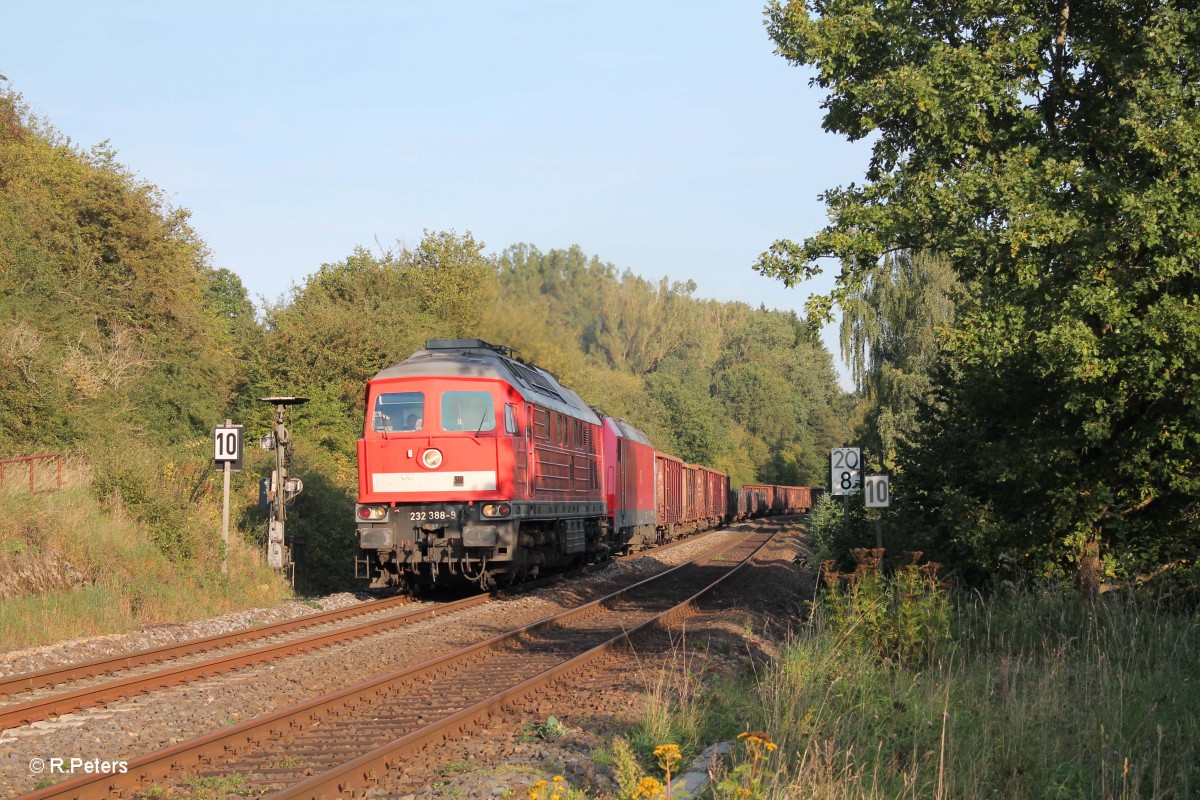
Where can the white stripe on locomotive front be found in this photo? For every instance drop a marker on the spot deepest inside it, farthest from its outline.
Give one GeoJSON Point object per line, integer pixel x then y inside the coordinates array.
{"type": "Point", "coordinates": [477, 481]}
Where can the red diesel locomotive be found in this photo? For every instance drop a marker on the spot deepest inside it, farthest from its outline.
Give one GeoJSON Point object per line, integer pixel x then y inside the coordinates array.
{"type": "Point", "coordinates": [629, 486]}
{"type": "Point", "coordinates": [477, 467]}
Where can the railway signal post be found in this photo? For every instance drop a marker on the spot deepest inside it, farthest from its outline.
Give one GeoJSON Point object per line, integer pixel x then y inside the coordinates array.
{"type": "Point", "coordinates": [282, 488]}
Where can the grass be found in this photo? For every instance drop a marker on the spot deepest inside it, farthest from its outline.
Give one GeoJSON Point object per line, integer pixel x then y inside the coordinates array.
{"type": "Point", "coordinates": [1036, 695]}
{"type": "Point", "coordinates": [75, 565]}
{"type": "Point", "coordinates": [194, 788]}
{"type": "Point", "coordinates": [686, 704]}
{"type": "Point", "coordinates": [65, 614]}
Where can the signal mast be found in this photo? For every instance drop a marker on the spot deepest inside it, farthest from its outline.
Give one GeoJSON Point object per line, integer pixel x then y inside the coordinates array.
{"type": "Point", "coordinates": [281, 489]}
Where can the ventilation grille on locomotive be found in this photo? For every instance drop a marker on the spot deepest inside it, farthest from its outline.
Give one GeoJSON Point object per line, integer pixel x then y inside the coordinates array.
{"type": "Point", "coordinates": [534, 379]}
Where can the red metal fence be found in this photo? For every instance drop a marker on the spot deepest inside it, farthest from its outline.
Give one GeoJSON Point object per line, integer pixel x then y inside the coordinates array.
{"type": "Point", "coordinates": [32, 461]}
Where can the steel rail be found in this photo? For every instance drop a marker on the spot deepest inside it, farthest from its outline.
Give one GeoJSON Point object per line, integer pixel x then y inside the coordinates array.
{"type": "Point", "coordinates": [206, 750]}
{"type": "Point", "coordinates": [28, 681]}
{"type": "Point", "coordinates": [67, 702]}
{"type": "Point", "coordinates": [359, 774]}
{"type": "Point", "coordinates": [58, 704]}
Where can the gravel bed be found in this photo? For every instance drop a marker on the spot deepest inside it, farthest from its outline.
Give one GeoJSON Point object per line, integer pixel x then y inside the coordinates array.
{"type": "Point", "coordinates": [381, 615]}
{"type": "Point", "coordinates": [732, 633]}
{"type": "Point", "coordinates": [129, 728]}
{"type": "Point", "coordinates": [33, 659]}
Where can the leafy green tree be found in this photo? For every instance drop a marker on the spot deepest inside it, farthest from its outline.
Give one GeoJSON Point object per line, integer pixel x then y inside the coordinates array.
{"type": "Point", "coordinates": [1049, 152]}
{"type": "Point", "coordinates": [119, 344]}
{"type": "Point", "coordinates": [697, 425]}
{"type": "Point", "coordinates": [892, 325]}
{"type": "Point", "coordinates": [641, 324]}
{"type": "Point", "coordinates": [746, 390]}
{"type": "Point", "coordinates": [775, 378]}
{"type": "Point", "coordinates": [349, 320]}
{"type": "Point", "coordinates": [102, 299]}
{"type": "Point", "coordinates": [357, 316]}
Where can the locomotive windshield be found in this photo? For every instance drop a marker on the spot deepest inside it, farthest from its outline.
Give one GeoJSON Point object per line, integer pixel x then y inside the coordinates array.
{"type": "Point", "coordinates": [468, 411]}
{"type": "Point", "coordinates": [399, 411]}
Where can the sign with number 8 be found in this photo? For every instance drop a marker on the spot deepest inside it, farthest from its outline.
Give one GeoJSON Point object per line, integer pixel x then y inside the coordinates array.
{"type": "Point", "coordinates": [845, 470]}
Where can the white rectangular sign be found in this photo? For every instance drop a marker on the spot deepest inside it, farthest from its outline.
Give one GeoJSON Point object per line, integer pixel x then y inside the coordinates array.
{"type": "Point", "coordinates": [227, 443]}
{"type": "Point", "coordinates": [877, 491]}
{"type": "Point", "coordinates": [845, 464]}
{"type": "Point", "coordinates": [227, 446]}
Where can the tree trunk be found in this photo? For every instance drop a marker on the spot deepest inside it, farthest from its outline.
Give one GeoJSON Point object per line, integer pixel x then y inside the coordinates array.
{"type": "Point", "coordinates": [1089, 573]}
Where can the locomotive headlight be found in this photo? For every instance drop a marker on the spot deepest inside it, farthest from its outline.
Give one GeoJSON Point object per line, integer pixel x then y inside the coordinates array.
{"type": "Point", "coordinates": [372, 513]}
{"type": "Point", "coordinates": [495, 509]}
{"type": "Point", "coordinates": [432, 458]}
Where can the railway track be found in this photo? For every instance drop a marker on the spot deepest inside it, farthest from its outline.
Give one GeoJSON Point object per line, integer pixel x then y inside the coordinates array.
{"type": "Point", "coordinates": [380, 616]}
{"type": "Point", "coordinates": [344, 742]}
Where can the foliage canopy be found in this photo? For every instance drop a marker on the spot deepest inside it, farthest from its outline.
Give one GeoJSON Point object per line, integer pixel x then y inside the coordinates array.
{"type": "Point", "coordinates": [120, 342]}
{"type": "Point", "coordinates": [1050, 153]}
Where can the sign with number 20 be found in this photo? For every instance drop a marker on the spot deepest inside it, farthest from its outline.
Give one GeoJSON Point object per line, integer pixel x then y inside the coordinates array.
{"type": "Point", "coordinates": [845, 470]}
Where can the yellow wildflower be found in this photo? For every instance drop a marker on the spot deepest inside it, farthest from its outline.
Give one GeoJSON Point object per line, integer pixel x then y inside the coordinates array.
{"type": "Point", "coordinates": [668, 756]}
{"type": "Point", "coordinates": [648, 789]}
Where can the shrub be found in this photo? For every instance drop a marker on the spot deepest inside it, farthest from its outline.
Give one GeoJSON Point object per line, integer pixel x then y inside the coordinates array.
{"type": "Point", "coordinates": [830, 538]}
{"type": "Point", "coordinates": [902, 617]}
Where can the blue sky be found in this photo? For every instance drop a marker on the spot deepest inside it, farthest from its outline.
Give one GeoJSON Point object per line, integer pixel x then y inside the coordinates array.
{"type": "Point", "coordinates": [664, 137]}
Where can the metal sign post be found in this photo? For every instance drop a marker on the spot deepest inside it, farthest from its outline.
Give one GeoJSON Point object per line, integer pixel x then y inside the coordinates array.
{"type": "Point", "coordinates": [227, 457]}
{"type": "Point", "coordinates": [281, 488]}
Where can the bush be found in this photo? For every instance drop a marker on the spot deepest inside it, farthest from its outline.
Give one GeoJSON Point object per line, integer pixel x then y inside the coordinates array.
{"type": "Point", "coordinates": [96, 566]}
{"type": "Point", "coordinates": [831, 538]}
{"type": "Point", "coordinates": [903, 617]}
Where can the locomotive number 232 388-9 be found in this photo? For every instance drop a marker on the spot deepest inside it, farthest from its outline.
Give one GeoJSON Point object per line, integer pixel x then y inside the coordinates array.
{"type": "Point", "coordinates": [429, 515]}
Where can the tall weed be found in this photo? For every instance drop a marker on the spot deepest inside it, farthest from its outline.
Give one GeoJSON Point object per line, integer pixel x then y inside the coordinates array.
{"type": "Point", "coordinates": [902, 617]}
{"type": "Point", "coordinates": [1040, 694]}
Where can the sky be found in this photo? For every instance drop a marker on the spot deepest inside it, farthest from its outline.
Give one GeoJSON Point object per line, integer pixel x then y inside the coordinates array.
{"type": "Point", "coordinates": [664, 137]}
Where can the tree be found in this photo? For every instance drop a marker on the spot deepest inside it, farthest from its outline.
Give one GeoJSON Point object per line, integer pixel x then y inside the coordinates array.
{"type": "Point", "coordinates": [749, 391]}
{"type": "Point", "coordinates": [354, 317]}
{"type": "Point", "coordinates": [104, 325]}
{"type": "Point", "coordinates": [1049, 152]}
{"type": "Point", "coordinates": [775, 380]}
{"type": "Point", "coordinates": [893, 323]}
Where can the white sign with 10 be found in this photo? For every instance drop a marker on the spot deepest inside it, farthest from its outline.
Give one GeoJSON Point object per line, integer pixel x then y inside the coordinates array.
{"type": "Point", "coordinates": [227, 446]}
{"type": "Point", "coordinates": [877, 491]}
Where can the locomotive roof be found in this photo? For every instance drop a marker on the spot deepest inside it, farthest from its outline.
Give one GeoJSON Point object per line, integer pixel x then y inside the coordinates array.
{"type": "Point", "coordinates": [627, 431]}
{"type": "Point", "coordinates": [475, 358]}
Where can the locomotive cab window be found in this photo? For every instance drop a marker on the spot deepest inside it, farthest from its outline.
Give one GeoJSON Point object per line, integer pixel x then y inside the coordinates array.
{"type": "Point", "coordinates": [398, 411]}
{"type": "Point", "coordinates": [510, 419]}
{"type": "Point", "coordinates": [468, 411]}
